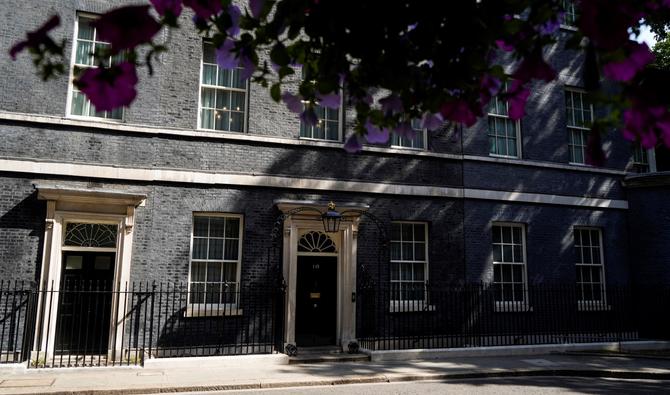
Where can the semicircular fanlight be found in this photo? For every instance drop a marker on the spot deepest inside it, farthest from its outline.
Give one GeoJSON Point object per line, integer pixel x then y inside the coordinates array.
{"type": "Point", "coordinates": [316, 242]}
{"type": "Point", "coordinates": [90, 235]}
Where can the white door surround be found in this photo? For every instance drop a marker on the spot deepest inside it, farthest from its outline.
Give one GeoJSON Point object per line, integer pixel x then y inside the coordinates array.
{"type": "Point", "coordinates": [66, 205]}
{"type": "Point", "coordinates": [294, 228]}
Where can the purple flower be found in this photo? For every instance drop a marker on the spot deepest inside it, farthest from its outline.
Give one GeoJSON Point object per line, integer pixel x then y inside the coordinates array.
{"type": "Point", "coordinates": [646, 123]}
{"type": "Point", "coordinates": [37, 38]}
{"type": "Point", "coordinates": [404, 129]}
{"type": "Point", "coordinates": [501, 44]}
{"type": "Point", "coordinates": [329, 100]}
{"type": "Point", "coordinates": [490, 86]}
{"type": "Point", "coordinates": [431, 121]}
{"type": "Point", "coordinates": [110, 88]}
{"type": "Point", "coordinates": [353, 144]}
{"type": "Point", "coordinates": [516, 101]}
{"type": "Point", "coordinates": [308, 117]}
{"type": "Point", "coordinates": [459, 111]}
{"type": "Point", "coordinates": [625, 70]}
{"type": "Point", "coordinates": [606, 22]}
{"type": "Point", "coordinates": [391, 104]}
{"type": "Point", "coordinates": [126, 27]}
{"type": "Point", "coordinates": [204, 8]}
{"type": "Point", "coordinates": [534, 66]}
{"type": "Point", "coordinates": [225, 57]}
{"type": "Point", "coordinates": [164, 6]}
{"type": "Point", "coordinates": [375, 135]}
{"type": "Point", "coordinates": [256, 7]}
{"type": "Point", "coordinates": [551, 25]}
{"type": "Point", "coordinates": [293, 102]}
{"type": "Point", "coordinates": [248, 66]}
{"type": "Point", "coordinates": [234, 13]}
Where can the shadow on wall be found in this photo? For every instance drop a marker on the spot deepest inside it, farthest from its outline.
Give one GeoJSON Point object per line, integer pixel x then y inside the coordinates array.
{"type": "Point", "coordinates": [22, 238]}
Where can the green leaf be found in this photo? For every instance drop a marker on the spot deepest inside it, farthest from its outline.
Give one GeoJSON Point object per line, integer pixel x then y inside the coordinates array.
{"type": "Point", "coordinates": [279, 55]}
{"type": "Point", "coordinates": [275, 92]}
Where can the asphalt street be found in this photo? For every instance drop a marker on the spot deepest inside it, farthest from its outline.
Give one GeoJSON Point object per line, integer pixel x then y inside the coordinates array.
{"type": "Point", "coordinates": [512, 386]}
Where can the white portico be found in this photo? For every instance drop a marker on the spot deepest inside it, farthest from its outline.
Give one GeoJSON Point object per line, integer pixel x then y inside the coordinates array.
{"type": "Point", "coordinates": [308, 253]}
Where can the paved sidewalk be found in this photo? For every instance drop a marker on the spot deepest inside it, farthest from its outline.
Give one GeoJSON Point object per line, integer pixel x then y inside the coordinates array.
{"type": "Point", "coordinates": [208, 377]}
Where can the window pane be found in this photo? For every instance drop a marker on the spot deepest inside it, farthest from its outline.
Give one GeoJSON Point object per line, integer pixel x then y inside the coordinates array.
{"type": "Point", "coordinates": [230, 273]}
{"type": "Point", "coordinates": [78, 104]}
{"type": "Point", "coordinates": [213, 272]}
{"type": "Point", "coordinates": [419, 232]}
{"type": "Point", "coordinates": [407, 251]}
{"type": "Point", "coordinates": [208, 53]}
{"type": "Point", "coordinates": [395, 251]}
{"type": "Point", "coordinates": [209, 74]}
{"type": "Point", "coordinates": [232, 228]}
{"type": "Point", "coordinates": [419, 271]}
{"type": "Point", "coordinates": [407, 232]}
{"type": "Point", "coordinates": [198, 271]}
{"type": "Point", "coordinates": [197, 293]}
{"type": "Point", "coordinates": [215, 249]}
{"type": "Point", "coordinates": [497, 253]}
{"type": "Point", "coordinates": [419, 251]}
{"type": "Point", "coordinates": [231, 250]}
{"type": "Point", "coordinates": [199, 248]}
{"type": "Point", "coordinates": [84, 53]}
{"type": "Point", "coordinates": [506, 234]}
{"type": "Point", "coordinates": [395, 271]}
{"type": "Point", "coordinates": [213, 294]}
{"type": "Point", "coordinates": [216, 226]}
{"type": "Point", "coordinates": [85, 30]}
{"type": "Point", "coordinates": [395, 231]}
{"type": "Point", "coordinates": [406, 272]}
{"type": "Point", "coordinates": [200, 225]}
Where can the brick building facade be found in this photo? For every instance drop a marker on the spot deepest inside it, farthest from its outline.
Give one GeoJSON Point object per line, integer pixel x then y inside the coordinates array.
{"type": "Point", "coordinates": [163, 182]}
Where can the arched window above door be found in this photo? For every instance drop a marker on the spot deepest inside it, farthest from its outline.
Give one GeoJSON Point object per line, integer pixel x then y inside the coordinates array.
{"type": "Point", "coordinates": [90, 235]}
{"type": "Point", "coordinates": [316, 242]}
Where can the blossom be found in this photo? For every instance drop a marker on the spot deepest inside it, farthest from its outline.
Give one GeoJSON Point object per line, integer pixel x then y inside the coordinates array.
{"type": "Point", "coordinates": [625, 70]}
{"type": "Point", "coordinates": [405, 129]}
{"type": "Point", "coordinates": [308, 117]}
{"type": "Point", "coordinates": [164, 6]}
{"type": "Point", "coordinates": [517, 96]}
{"type": "Point", "coordinates": [126, 27]}
{"type": "Point", "coordinates": [225, 57]}
{"type": "Point", "coordinates": [376, 135]}
{"type": "Point", "coordinates": [431, 121]}
{"type": "Point", "coordinates": [353, 144]}
{"type": "Point", "coordinates": [490, 86]}
{"type": "Point", "coordinates": [551, 25]}
{"type": "Point", "coordinates": [234, 13]}
{"type": "Point", "coordinates": [606, 22]}
{"type": "Point", "coordinates": [248, 66]}
{"type": "Point", "coordinates": [256, 7]}
{"type": "Point", "coordinates": [391, 104]}
{"type": "Point", "coordinates": [501, 44]}
{"type": "Point", "coordinates": [329, 100]}
{"type": "Point", "coordinates": [646, 123]}
{"type": "Point", "coordinates": [204, 8]}
{"type": "Point", "coordinates": [458, 111]}
{"type": "Point", "coordinates": [110, 88]}
{"type": "Point", "coordinates": [534, 66]}
{"type": "Point", "coordinates": [37, 38]}
{"type": "Point", "coordinates": [293, 102]}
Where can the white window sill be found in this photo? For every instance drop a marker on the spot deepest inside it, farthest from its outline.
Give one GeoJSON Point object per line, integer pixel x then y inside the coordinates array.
{"type": "Point", "coordinates": [400, 147]}
{"type": "Point", "coordinates": [512, 307]}
{"type": "Point", "coordinates": [322, 140]}
{"type": "Point", "coordinates": [571, 28]}
{"type": "Point", "coordinates": [504, 156]}
{"type": "Point", "coordinates": [95, 119]}
{"type": "Point", "coordinates": [410, 306]}
{"type": "Point", "coordinates": [212, 310]}
{"type": "Point", "coordinates": [593, 305]}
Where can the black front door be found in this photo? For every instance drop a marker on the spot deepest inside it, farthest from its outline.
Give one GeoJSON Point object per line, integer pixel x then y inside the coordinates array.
{"type": "Point", "coordinates": [84, 304]}
{"type": "Point", "coordinates": [316, 301]}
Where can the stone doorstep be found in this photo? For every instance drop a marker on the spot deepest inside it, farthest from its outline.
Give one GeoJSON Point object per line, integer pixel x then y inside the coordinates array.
{"type": "Point", "coordinates": [23, 383]}
{"type": "Point", "coordinates": [323, 358]}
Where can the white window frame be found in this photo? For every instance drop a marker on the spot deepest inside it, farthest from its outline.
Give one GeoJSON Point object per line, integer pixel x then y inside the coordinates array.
{"type": "Point", "coordinates": [568, 6]}
{"type": "Point", "coordinates": [651, 160]}
{"type": "Point", "coordinates": [585, 304]}
{"type": "Point", "coordinates": [584, 132]}
{"type": "Point", "coordinates": [71, 89]}
{"type": "Point", "coordinates": [246, 91]}
{"type": "Point", "coordinates": [410, 305]}
{"type": "Point", "coordinates": [396, 141]}
{"type": "Point", "coordinates": [517, 126]}
{"type": "Point", "coordinates": [215, 309]}
{"type": "Point", "coordinates": [340, 124]}
{"type": "Point", "coordinates": [511, 305]}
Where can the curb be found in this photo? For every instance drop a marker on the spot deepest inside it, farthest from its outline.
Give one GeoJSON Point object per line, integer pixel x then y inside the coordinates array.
{"type": "Point", "coordinates": [620, 374]}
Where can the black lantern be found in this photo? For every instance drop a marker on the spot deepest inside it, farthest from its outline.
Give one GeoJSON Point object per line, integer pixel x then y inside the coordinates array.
{"type": "Point", "coordinates": [331, 219]}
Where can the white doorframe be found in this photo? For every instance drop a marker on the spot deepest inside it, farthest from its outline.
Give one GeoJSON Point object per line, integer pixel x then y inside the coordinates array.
{"type": "Point", "coordinates": [63, 206]}
{"type": "Point", "coordinates": [345, 240]}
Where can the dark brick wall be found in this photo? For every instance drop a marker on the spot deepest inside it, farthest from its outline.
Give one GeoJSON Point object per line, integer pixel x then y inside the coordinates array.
{"type": "Point", "coordinates": [21, 229]}
{"type": "Point", "coordinates": [649, 227]}
{"type": "Point", "coordinates": [549, 240]}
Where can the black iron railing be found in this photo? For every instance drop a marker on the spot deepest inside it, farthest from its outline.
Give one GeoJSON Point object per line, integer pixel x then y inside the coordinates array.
{"type": "Point", "coordinates": [92, 324]}
{"type": "Point", "coordinates": [479, 315]}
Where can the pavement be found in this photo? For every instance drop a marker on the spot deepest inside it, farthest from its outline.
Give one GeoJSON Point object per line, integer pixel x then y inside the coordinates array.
{"type": "Point", "coordinates": [208, 376]}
